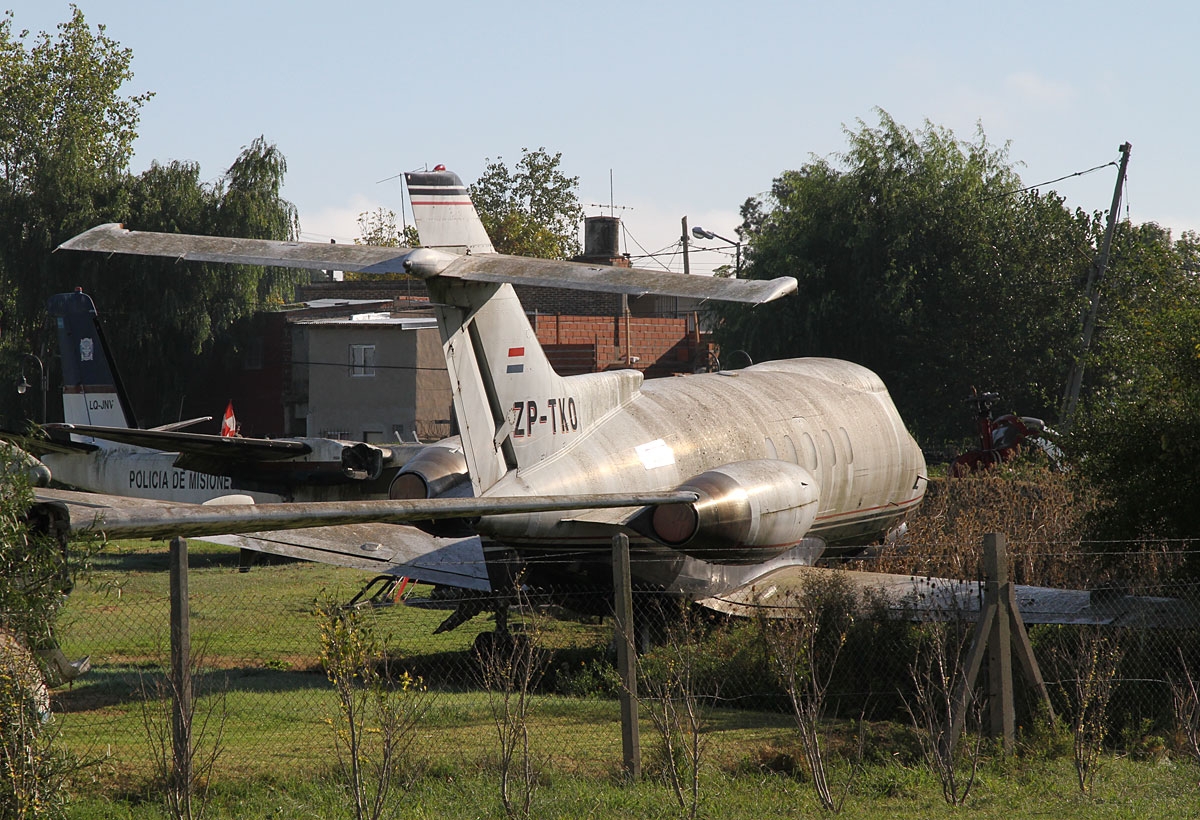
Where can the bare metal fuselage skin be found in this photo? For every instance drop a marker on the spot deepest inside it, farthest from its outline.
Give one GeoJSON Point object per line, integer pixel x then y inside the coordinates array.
{"type": "Point", "coordinates": [833, 418]}
{"type": "Point", "coordinates": [795, 452]}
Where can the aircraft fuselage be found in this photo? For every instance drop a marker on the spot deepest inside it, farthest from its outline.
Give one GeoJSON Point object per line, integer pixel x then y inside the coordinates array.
{"type": "Point", "coordinates": [143, 473]}
{"type": "Point", "coordinates": [832, 418]}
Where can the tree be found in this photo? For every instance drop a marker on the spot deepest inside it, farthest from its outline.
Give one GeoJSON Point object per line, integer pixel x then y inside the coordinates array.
{"type": "Point", "coordinates": [531, 210]}
{"type": "Point", "coordinates": [919, 256]}
{"type": "Point", "coordinates": [66, 135]}
{"type": "Point", "coordinates": [922, 257]}
{"type": "Point", "coordinates": [34, 771]}
{"type": "Point", "coordinates": [1137, 437]}
{"type": "Point", "coordinates": [379, 228]}
{"type": "Point", "coordinates": [170, 316]}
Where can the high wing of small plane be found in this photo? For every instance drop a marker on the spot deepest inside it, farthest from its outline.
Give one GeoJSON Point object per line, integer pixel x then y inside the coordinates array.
{"type": "Point", "coordinates": [100, 448]}
{"type": "Point", "coordinates": [716, 478]}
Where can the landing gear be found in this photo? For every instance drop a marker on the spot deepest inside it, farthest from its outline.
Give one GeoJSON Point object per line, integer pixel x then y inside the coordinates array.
{"type": "Point", "coordinates": [473, 604]}
{"type": "Point", "coordinates": [382, 590]}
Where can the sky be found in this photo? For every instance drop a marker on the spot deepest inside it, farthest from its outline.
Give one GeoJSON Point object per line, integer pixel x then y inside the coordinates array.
{"type": "Point", "coordinates": [665, 109]}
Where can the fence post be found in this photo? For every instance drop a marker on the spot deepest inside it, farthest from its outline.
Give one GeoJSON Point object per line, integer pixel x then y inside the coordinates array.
{"type": "Point", "coordinates": [181, 672]}
{"type": "Point", "coordinates": [998, 632]}
{"type": "Point", "coordinates": [1000, 683]}
{"type": "Point", "coordinates": [626, 657]}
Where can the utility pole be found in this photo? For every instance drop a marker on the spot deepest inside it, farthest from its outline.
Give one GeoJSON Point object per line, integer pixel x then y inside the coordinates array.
{"type": "Point", "coordinates": [1095, 276]}
{"type": "Point", "coordinates": [687, 269]}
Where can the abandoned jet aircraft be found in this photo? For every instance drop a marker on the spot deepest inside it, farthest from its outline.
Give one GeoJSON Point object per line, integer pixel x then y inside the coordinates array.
{"type": "Point", "coordinates": [716, 478]}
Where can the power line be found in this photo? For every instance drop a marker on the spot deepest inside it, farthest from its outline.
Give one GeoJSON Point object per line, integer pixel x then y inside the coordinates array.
{"type": "Point", "coordinates": [1052, 181]}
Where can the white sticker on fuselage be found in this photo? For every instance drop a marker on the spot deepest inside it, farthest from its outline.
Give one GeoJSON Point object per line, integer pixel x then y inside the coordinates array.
{"type": "Point", "coordinates": [655, 454]}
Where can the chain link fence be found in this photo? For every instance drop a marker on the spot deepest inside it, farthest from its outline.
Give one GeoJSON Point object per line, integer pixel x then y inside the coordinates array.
{"type": "Point", "coordinates": [269, 710]}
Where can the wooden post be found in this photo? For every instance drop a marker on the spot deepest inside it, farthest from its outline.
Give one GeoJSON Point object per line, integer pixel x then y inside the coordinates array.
{"type": "Point", "coordinates": [998, 632]}
{"type": "Point", "coordinates": [181, 671]}
{"type": "Point", "coordinates": [1000, 682]}
{"type": "Point", "coordinates": [626, 657]}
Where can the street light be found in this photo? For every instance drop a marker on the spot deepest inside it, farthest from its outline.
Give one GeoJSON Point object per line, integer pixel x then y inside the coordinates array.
{"type": "Point", "coordinates": [23, 385]}
{"type": "Point", "coordinates": [700, 233]}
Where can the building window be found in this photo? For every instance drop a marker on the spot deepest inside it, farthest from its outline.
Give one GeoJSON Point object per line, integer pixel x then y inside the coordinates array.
{"type": "Point", "coordinates": [252, 354]}
{"type": "Point", "coordinates": [362, 360]}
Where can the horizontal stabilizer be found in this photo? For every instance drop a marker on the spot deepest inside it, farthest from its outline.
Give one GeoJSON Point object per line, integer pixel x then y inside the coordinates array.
{"type": "Point", "coordinates": [426, 263]}
{"type": "Point", "coordinates": [39, 444]}
{"type": "Point", "coordinates": [179, 425]}
{"type": "Point", "coordinates": [113, 238]}
{"type": "Point", "coordinates": [554, 273]}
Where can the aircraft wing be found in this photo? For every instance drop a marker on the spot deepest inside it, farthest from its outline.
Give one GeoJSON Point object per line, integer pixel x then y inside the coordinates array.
{"type": "Point", "coordinates": [553, 273]}
{"type": "Point", "coordinates": [38, 445]}
{"type": "Point", "coordinates": [311, 460]}
{"type": "Point", "coordinates": [259, 449]}
{"type": "Point", "coordinates": [383, 549]}
{"type": "Point", "coordinates": [924, 598]}
{"type": "Point", "coordinates": [124, 517]}
{"type": "Point", "coordinates": [426, 262]}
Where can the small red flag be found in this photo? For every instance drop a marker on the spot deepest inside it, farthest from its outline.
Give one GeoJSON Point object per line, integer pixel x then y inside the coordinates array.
{"type": "Point", "coordinates": [229, 424]}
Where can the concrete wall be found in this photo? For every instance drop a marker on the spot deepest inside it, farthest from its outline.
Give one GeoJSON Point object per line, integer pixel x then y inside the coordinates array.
{"type": "Point", "coordinates": [408, 394]}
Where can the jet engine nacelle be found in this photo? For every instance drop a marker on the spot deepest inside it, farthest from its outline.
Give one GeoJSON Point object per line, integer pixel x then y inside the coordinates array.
{"type": "Point", "coordinates": [748, 511]}
{"type": "Point", "coordinates": [438, 470]}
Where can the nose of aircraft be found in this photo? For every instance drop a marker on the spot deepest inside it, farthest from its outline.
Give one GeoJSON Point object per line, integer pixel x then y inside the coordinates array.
{"type": "Point", "coordinates": [39, 474]}
{"type": "Point", "coordinates": [14, 460]}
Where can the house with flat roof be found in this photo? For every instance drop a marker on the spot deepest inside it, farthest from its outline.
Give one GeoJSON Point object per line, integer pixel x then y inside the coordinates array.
{"type": "Point", "coordinates": [374, 376]}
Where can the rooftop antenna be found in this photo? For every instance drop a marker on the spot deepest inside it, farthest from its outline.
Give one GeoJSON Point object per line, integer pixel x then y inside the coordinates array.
{"type": "Point", "coordinates": [403, 193]}
{"type": "Point", "coordinates": [612, 208]}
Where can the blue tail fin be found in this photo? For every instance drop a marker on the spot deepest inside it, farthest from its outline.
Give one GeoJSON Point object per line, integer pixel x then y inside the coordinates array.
{"type": "Point", "coordinates": [92, 390]}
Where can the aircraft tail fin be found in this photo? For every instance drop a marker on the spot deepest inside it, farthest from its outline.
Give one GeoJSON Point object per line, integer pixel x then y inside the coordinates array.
{"type": "Point", "coordinates": [446, 219]}
{"type": "Point", "coordinates": [518, 412]}
{"type": "Point", "coordinates": [92, 391]}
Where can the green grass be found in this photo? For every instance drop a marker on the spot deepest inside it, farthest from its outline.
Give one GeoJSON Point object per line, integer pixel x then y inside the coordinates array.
{"type": "Point", "coordinates": [1009, 792]}
{"type": "Point", "coordinates": [258, 639]}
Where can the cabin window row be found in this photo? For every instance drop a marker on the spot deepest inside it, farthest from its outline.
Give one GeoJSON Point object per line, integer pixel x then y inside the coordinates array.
{"type": "Point", "coordinates": [806, 452]}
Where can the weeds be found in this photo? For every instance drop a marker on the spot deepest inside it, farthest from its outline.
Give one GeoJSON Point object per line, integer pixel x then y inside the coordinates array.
{"type": "Point", "coordinates": [804, 645]}
{"type": "Point", "coordinates": [937, 674]}
{"type": "Point", "coordinates": [183, 765]}
{"type": "Point", "coordinates": [1186, 701]}
{"type": "Point", "coordinates": [512, 666]}
{"type": "Point", "coordinates": [1086, 658]}
{"type": "Point", "coordinates": [668, 688]}
{"type": "Point", "coordinates": [378, 710]}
